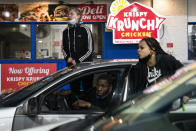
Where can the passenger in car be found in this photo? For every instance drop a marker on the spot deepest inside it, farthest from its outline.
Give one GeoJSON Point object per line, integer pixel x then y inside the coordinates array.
{"type": "Point", "coordinates": [99, 97]}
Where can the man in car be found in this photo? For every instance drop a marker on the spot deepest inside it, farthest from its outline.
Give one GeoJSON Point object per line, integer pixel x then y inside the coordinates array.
{"type": "Point", "coordinates": [99, 97]}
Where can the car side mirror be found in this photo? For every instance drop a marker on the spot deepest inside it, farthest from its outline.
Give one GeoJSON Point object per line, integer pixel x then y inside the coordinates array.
{"type": "Point", "coordinates": [30, 107]}
{"type": "Point", "coordinates": [176, 104]}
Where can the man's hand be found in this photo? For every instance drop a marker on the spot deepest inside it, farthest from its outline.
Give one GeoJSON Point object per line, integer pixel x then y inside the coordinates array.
{"type": "Point", "coordinates": [74, 62]}
{"type": "Point", "coordinates": [81, 103]}
{"type": "Point", "coordinates": [185, 99]}
{"type": "Point", "coordinates": [69, 60]}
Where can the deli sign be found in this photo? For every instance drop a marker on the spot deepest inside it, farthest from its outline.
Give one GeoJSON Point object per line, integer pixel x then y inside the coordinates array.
{"type": "Point", "coordinates": [93, 12]}
{"type": "Point", "coordinates": [133, 22]}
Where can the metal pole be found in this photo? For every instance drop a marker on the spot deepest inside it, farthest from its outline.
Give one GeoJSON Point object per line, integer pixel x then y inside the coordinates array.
{"type": "Point", "coordinates": [151, 2]}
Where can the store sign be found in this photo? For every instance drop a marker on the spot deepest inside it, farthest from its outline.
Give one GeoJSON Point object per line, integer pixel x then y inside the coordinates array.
{"type": "Point", "coordinates": [93, 12]}
{"type": "Point", "coordinates": [16, 76]}
{"type": "Point", "coordinates": [51, 12]}
{"type": "Point", "coordinates": [132, 22]}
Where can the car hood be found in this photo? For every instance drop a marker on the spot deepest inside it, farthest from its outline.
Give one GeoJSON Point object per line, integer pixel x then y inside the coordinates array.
{"type": "Point", "coordinates": [7, 112]}
{"type": "Point", "coordinates": [6, 118]}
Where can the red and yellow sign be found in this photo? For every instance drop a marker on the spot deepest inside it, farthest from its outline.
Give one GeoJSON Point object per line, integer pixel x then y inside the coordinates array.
{"type": "Point", "coordinates": [93, 12]}
{"type": "Point", "coordinates": [132, 22]}
{"type": "Point", "coordinates": [16, 76]}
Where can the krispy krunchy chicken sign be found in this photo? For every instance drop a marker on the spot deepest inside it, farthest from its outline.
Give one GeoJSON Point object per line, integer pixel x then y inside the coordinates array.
{"type": "Point", "coordinates": [132, 22]}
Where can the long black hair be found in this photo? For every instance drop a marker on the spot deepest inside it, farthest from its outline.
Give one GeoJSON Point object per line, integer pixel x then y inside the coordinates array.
{"type": "Point", "coordinates": [140, 71]}
{"type": "Point", "coordinates": [154, 45]}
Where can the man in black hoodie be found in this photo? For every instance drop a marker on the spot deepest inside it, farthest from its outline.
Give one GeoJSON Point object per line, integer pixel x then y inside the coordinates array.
{"type": "Point", "coordinates": [99, 97]}
{"type": "Point", "coordinates": [77, 45]}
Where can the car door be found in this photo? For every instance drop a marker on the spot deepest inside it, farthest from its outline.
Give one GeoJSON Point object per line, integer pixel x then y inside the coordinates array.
{"type": "Point", "coordinates": [61, 112]}
{"type": "Point", "coordinates": [123, 88]}
{"type": "Point", "coordinates": [184, 116]}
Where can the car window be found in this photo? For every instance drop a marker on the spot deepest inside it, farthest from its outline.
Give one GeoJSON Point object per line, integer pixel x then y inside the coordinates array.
{"type": "Point", "coordinates": [64, 98]}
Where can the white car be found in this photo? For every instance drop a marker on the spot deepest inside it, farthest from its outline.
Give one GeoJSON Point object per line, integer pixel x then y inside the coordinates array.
{"type": "Point", "coordinates": [29, 108]}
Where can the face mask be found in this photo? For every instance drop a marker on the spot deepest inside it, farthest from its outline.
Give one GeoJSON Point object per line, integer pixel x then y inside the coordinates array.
{"type": "Point", "coordinates": [72, 22]}
{"type": "Point", "coordinates": [145, 59]}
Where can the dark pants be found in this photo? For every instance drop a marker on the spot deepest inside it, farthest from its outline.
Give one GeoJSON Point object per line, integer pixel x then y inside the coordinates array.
{"type": "Point", "coordinates": [81, 85]}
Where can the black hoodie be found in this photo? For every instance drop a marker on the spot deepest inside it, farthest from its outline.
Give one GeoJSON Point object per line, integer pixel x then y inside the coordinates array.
{"type": "Point", "coordinates": [166, 63]}
{"type": "Point", "coordinates": [77, 43]}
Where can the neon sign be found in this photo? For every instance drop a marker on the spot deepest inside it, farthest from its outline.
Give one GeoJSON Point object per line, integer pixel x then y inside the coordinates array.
{"type": "Point", "coordinates": [132, 22]}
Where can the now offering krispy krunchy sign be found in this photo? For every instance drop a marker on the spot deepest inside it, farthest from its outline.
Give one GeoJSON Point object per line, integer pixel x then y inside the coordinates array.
{"type": "Point", "coordinates": [16, 76]}
{"type": "Point", "coordinates": [132, 22]}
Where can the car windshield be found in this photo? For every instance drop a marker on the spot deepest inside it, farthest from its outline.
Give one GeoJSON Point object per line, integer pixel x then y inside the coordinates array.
{"type": "Point", "coordinates": [17, 97]}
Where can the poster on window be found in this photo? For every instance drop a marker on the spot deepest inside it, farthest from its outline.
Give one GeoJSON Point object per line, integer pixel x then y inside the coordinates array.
{"type": "Point", "coordinates": [16, 76]}
{"type": "Point", "coordinates": [33, 13]}
{"type": "Point", "coordinates": [90, 12]}
{"type": "Point", "coordinates": [51, 12]}
{"type": "Point", "coordinates": [132, 22]}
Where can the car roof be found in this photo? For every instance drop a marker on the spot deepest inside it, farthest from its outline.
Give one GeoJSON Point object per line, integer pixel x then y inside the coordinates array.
{"type": "Point", "coordinates": [105, 62]}
{"type": "Point", "coordinates": [98, 64]}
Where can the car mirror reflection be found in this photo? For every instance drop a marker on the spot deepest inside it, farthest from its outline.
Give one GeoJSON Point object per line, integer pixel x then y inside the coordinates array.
{"type": "Point", "coordinates": [30, 107]}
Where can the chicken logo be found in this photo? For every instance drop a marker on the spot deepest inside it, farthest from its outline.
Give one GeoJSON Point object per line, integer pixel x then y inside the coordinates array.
{"type": "Point", "coordinates": [132, 22]}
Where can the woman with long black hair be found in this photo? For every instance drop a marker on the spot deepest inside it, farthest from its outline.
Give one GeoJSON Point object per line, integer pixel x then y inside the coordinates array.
{"type": "Point", "coordinates": [154, 64]}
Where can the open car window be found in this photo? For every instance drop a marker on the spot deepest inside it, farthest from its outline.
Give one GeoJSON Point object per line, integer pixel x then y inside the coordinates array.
{"type": "Point", "coordinates": [63, 98]}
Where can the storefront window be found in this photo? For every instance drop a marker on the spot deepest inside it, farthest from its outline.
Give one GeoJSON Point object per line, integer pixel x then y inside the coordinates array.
{"type": "Point", "coordinates": [192, 41]}
{"type": "Point", "coordinates": [15, 41]}
{"type": "Point", "coordinates": [49, 40]}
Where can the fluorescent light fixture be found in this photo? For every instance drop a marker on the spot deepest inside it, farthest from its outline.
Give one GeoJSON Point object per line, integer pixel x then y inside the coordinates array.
{"type": "Point", "coordinates": [6, 13]}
